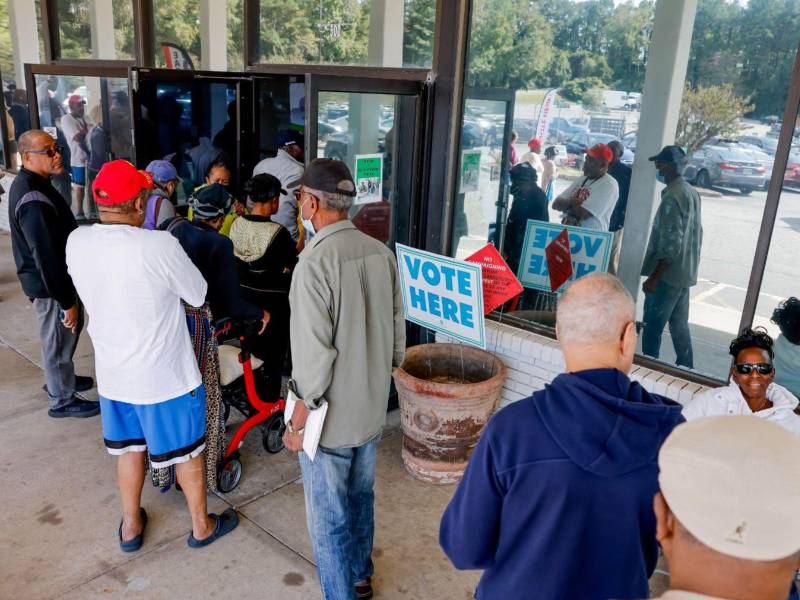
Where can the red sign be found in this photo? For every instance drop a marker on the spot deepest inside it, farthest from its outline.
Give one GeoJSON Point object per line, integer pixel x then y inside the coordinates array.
{"type": "Point", "coordinates": [499, 282]}
{"type": "Point", "coordinates": [559, 260]}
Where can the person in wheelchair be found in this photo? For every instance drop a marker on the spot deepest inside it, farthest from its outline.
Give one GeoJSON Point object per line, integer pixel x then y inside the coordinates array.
{"type": "Point", "coordinates": [212, 254]}
{"type": "Point", "coordinates": [266, 257]}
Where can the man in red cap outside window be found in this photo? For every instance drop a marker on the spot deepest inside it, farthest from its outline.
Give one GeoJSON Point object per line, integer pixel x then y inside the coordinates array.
{"type": "Point", "coordinates": [132, 281]}
{"type": "Point", "coordinates": [533, 157]}
{"type": "Point", "coordinates": [76, 130]}
{"type": "Point", "coordinates": [590, 200]}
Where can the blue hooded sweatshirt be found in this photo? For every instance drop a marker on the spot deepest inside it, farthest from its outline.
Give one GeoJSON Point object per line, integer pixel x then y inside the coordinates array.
{"type": "Point", "coordinates": [557, 499]}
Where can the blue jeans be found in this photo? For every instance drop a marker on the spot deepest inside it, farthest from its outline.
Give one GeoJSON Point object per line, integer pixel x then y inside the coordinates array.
{"type": "Point", "coordinates": [668, 304]}
{"type": "Point", "coordinates": [340, 514]}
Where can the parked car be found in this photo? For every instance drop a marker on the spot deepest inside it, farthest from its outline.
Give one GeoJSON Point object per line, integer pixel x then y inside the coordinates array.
{"type": "Point", "coordinates": [767, 144]}
{"type": "Point", "coordinates": [629, 140]}
{"type": "Point", "coordinates": [770, 119]}
{"type": "Point", "coordinates": [578, 144]}
{"type": "Point", "coordinates": [725, 166]}
{"type": "Point", "coordinates": [562, 129]}
{"type": "Point", "coordinates": [525, 128]}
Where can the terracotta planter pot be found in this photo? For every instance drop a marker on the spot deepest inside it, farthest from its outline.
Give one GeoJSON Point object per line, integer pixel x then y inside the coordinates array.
{"type": "Point", "coordinates": [447, 393]}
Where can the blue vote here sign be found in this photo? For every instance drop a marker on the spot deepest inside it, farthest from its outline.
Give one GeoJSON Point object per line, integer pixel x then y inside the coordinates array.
{"type": "Point", "coordinates": [590, 250]}
{"type": "Point", "coordinates": [442, 294]}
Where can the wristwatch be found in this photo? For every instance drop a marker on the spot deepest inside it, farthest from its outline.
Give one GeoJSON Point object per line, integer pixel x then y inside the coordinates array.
{"type": "Point", "coordinates": [292, 430]}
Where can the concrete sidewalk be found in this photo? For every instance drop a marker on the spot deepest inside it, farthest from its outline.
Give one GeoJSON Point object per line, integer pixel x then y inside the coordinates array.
{"type": "Point", "coordinates": [61, 509]}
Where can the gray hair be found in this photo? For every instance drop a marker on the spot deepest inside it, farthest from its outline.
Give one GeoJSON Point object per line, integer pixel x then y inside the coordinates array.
{"type": "Point", "coordinates": [333, 202]}
{"type": "Point", "coordinates": [594, 309]}
{"type": "Point", "coordinates": [27, 141]}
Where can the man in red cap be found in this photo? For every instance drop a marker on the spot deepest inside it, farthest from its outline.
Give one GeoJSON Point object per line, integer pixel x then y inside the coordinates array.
{"type": "Point", "coordinates": [132, 281]}
{"type": "Point", "coordinates": [533, 157]}
{"type": "Point", "coordinates": [590, 200]}
{"type": "Point", "coordinates": [76, 129]}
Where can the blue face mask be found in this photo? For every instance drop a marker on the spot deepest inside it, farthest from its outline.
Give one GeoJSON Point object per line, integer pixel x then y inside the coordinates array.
{"type": "Point", "coordinates": [661, 178]}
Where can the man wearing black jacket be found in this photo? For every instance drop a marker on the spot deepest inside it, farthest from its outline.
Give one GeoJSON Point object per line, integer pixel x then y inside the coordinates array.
{"type": "Point", "coordinates": [40, 221]}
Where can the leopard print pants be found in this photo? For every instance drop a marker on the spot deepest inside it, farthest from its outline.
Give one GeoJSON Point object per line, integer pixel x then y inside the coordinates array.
{"type": "Point", "coordinates": [205, 348]}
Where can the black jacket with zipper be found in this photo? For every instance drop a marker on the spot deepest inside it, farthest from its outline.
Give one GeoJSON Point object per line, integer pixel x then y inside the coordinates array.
{"type": "Point", "coordinates": [41, 221]}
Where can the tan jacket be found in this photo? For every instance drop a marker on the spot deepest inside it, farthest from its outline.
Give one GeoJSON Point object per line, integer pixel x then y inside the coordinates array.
{"type": "Point", "coordinates": [347, 331]}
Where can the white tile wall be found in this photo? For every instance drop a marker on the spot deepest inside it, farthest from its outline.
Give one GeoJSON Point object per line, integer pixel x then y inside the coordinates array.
{"type": "Point", "coordinates": [534, 360]}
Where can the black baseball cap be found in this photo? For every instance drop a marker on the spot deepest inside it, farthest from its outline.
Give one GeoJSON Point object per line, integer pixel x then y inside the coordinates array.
{"type": "Point", "coordinates": [523, 171]}
{"type": "Point", "coordinates": [210, 201]}
{"type": "Point", "coordinates": [329, 175]}
{"type": "Point", "coordinates": [672, 154]}
{"type": "Point", "coordinates": [288, 137]}
{"type": "Point", "coordinates": [263, 188]}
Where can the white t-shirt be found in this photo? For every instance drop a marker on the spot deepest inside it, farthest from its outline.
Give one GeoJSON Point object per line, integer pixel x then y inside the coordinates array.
{"type": "Point", "coordinates": [288, 171]}
{"type": "Point", "coordinates": [131, 282]}
{"type": "Point", "coordinates": [536, 162]}
{"type": "Point", "coordinates": [603, 194]}
{"type": "Point", "coordinates": [71, 126]}
{"type": "Point", "coordinates": [730, 401]}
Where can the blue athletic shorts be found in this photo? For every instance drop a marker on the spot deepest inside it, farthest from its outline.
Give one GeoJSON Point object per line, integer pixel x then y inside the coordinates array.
{"type": "Point", "coordinates": [173, 431]}
{"type": "Point", "coordinates": [79, 175]}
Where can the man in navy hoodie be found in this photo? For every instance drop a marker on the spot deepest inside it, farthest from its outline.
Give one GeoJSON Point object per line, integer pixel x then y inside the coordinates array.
{"type": "Point", "coordinates": [557, 499]}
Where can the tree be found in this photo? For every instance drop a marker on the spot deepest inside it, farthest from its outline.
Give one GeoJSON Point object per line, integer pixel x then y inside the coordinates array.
{"type": "Point", "coordinates": [418, 35]}
{"type": "Point", "coordinates": [580, 89]}
{"type": "Point", "coordinates": [510, 47]}
{"type": "Point", "coordinates": [628, 34]}
{"type": "Point", "coordinates": [707, 113]}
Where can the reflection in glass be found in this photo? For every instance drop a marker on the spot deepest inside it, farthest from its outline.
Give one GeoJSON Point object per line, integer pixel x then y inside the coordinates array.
{"type": "Point", "coordinates": [192, 124]}
{"type": "Point", "coordinates": [479, 176]}
{"type": "Point", "coordinates": [727, 124]}
{"type": "Point", "coordinates": [363, 131]}
{"type": "Point", "coordinates": [90, 29]}
{"type": "Point", "coordinates": [176, 36]}
{"type": "Point", "coordinates": [348, 33]}
{"type": "Point", "coordinates": [90, 118]}
{"type": "Point", "coordinates": [778, 308]}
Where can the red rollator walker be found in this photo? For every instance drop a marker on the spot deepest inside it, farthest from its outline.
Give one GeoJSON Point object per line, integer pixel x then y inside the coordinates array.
{"type": "Point", "coordinates": [237, 381]}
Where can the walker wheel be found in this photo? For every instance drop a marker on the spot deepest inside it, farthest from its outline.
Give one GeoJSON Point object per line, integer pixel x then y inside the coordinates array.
{"type": "Point", "coordinates": [230, 474]}
{"type": "Point", "coordinates": [272, 436]}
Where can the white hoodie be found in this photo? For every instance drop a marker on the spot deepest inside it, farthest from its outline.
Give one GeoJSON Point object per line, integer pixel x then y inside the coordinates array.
{"type": "Point", "coordinates": [730, 401]}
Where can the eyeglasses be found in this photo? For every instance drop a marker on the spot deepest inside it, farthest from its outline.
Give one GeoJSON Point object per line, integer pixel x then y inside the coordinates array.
{"type": "Point", "coordinates": [748, 368]}
{"type": "Point", "coordinates": [50, 152]}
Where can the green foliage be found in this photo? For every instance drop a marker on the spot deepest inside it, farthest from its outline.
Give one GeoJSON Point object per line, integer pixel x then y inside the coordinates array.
{"type": "Point", "coordinates": [708, 112]}
{"type": "Point", "coordinates": [419, 33]}
{"type": "Point", "coordinates": [511, 45]}
{"type": "Point", "coordinates": [577, 89]}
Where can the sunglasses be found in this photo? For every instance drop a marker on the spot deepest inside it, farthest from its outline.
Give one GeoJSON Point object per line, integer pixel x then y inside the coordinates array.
{"type": "Point", "coordinates": [748, 368]}
{"type": "Point", "coordinates": [50, 152]}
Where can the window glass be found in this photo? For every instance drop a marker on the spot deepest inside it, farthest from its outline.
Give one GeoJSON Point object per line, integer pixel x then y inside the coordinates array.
{"type": "Point", "coordinates": [90, 119]}
{"type": "Point", "coordinates": [359, 130]}
{"type": "Point", "coordinates": [588, 79]}
{"type": "Point", "coordinates": [235, 35]}
{"type": "Point", "coordinates": [177, 34]}
{"type": "Point", "coordinates": [192, 123]}
{"type": "Point", "coordinates": [96, 29]}
{"type": "Point", "coordinates": [348, 32]}
{"type": "Point", "coordinates": [778, 308]}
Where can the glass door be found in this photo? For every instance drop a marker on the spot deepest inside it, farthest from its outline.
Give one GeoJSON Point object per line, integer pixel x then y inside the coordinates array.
{"type": "Point", "coordinates": [482, 186]}
{"type": "Point", "coordinates": [374, 126]}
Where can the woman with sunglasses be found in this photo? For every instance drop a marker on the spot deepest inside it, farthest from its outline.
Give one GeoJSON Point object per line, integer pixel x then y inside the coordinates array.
{"type": "Point", "coordinates": [752, 390]}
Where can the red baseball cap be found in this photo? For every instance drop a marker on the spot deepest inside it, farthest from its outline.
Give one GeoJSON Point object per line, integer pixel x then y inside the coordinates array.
{"type": "Point", "coordinates": [76, 99]}
{"type": "Point", "coordinates": [601, 151]}
{"type": "Point", "coordinates": [534, 143]}
{"type": "Point", "coordinates": [120, 182]}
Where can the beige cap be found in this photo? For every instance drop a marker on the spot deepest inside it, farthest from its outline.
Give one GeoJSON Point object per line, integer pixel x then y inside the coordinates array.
{"type": "Point", "coordinates": [734, 483]}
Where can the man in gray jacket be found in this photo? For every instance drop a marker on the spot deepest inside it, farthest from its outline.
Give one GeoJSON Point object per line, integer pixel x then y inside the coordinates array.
{"type": "Point", "coordinates": [347, 334]}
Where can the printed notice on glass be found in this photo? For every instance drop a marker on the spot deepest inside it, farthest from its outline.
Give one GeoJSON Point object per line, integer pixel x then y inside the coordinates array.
{"type": "Point", "coordinates": [470, 171]}
{"type": "Point", "coordinates": [369, 178]}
